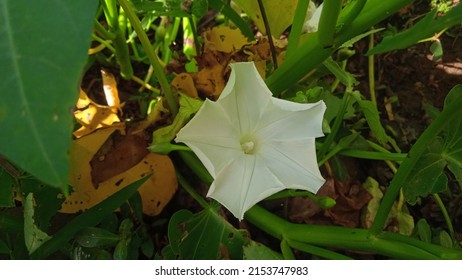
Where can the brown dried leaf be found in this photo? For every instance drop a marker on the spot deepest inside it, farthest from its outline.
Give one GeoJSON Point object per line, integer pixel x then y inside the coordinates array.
{"type": "Point", "coordinates": [184, 83]}
{"type": "Point", "coordinates": [114, 164]}
{"type": "Point", "coordinates": [350, 199]}
{"type": "Point", "coordinates": [304, 210]}
{"type": "Point", "coordinates": [210, 81]}
{"type": "Point", "coordinates": [118, 154]}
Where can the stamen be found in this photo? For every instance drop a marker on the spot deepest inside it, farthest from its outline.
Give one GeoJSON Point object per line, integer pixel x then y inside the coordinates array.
{"type": "Point", "coordinates": [248, 147]}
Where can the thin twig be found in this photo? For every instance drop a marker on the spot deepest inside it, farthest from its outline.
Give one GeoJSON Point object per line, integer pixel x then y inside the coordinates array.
{"type": "Point", "coordinates": [268, 33]}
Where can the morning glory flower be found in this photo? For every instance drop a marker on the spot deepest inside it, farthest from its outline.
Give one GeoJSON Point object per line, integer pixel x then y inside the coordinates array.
{"type": "Point", "coordinates": [254, 145]}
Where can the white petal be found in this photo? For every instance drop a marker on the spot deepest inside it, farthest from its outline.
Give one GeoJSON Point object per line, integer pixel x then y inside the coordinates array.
{"type": "Point", "coordinates": [243, 183]}
{"type": "Point", "coordinates": [300, 122]}
{"type": "Point", "coordinates": [212, 135]}
{"type": "Point", "coordinates": [294, 164]}
{"type": "Point", "coordinates": [250, 98]}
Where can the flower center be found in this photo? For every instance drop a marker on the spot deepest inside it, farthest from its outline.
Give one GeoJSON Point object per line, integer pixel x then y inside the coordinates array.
{"type": "Point", "coordinates": [248, 145]}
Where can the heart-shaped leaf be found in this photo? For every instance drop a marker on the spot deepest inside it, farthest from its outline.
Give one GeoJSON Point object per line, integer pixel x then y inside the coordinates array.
{"type": "Point", "coordinates": [42, 52]}
{"type": "Point", "coordinates": [443, 151]}
{"type": "Point", "coordinates": [204, 236]}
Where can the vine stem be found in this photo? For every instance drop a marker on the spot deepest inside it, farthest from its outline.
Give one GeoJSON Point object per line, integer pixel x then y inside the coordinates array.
{"type": "Point", "coordinates": [321, 252]}
{"type": "Point", "coordinates": [158, 70]}
{"type": "Point", "coordinates": [445, 213]}
{"type": "Point", "coordinates": [389, 244]}
{"type": "Point", "coordinates": [190, 190]}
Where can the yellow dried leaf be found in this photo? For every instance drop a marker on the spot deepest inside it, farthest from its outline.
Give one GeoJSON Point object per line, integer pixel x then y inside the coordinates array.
{"type": "Point", "coordinates": [210, 81]}
{"type": "Point", "coordinates": [261, 68]}
{"type": "Point", "coordinates": [224, 39]}
{"type": "Point", "coordinates": [92, 116]}
{"type": "Point", "coordinates": [184, 83]}
{"type": "Point", "coordinates": [83, 101]}
{"type": "Point", "coordinates": [260, 53]}
{"type": "Point", "coordinates": [156, 192]}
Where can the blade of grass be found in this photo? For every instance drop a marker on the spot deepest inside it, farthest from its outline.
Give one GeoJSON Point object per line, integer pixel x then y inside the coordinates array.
{"type": "Point", "coordinates": [328, 22]}
{"type": "Point", "coordinates": [297, 26]}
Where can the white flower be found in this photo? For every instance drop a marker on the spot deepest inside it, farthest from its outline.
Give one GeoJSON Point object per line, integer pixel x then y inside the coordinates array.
{"type": "Point", "coordinates": [313, 15]}
{"type": "Point", "coordinates": [254, 145]}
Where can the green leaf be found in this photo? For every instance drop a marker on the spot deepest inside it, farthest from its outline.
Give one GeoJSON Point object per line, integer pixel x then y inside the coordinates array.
{"type": "Point", "coordinates": [424, 231]}
{"type": "Point", "coordinates": [33, 236]}
{"type": "Point", "coordinates": [46, 200]}
{"type": "Point", "coordinates": [199, 8]}
{"type": "Point", "coordinates": [334, 104]}
{"type": "Point", "coordinates": [121, 249]}
{"type": "Point", "coordinates": [82, 253]}
{"type": "Point", "coordinates": [42, 52]}
{"type": "Point", "coordinates": [280, 14]}
{"type": "Point", "coordinates": [168, 253]}
{"type": "Point", "coordinates": [428, 176]}
{"type": "Point", "coordinates": [425, 28]}
{"type": "Point", "coordinates": [188, 107]}
{"type": "Point", "coordinates": [96, 237]}
{"type": "Point", "coordinates": [437, 50]}
{"type": "Point", "coordinates": [147, 247]}
{"type": "Point", "coordinates": [345, 77]}
{"type": "Point", "coordinates": [204, 236]}
{"type": "Point", "coordinates": [445, 239]}
{"type": "Point", "coordinates": [404, 221]}
{"type": "Point", "coordinates": [174, 232]}
{"type": "Point", "coordinates": [148, 6]}
{"type": "Point", "coordinates": [373, 119]}
{"type": "Point", "coordinates": [369, 212]}
{"type": "Point", "coordinates": [440, 152]}
{"type": "Point", "coordinates": [89, 218]}
{"type": "Point", "coordinates": [258, 251]}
